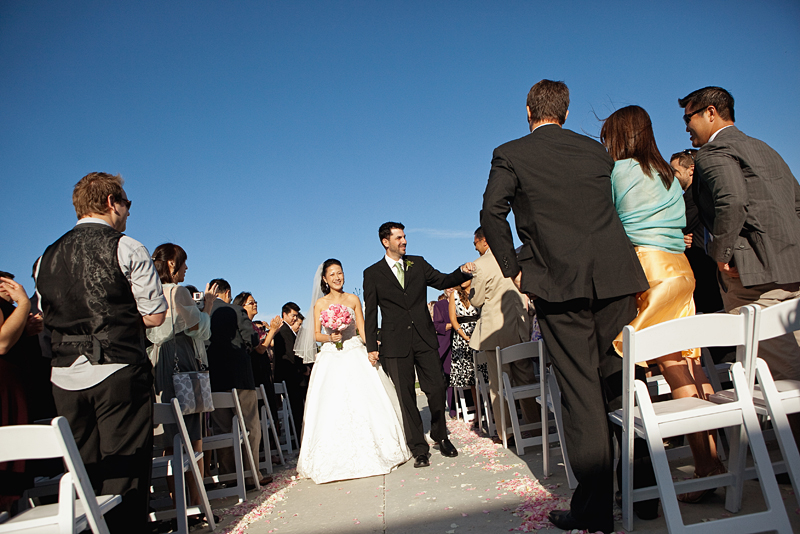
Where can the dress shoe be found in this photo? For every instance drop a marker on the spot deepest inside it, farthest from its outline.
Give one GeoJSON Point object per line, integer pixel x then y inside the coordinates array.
{"type": "Point", "coordinates": [644, 510]}
{"type": "Point", "coordinates": [694, 497]}
{"type": "Point", "coordinates": [509, 440]}
{"type": "Point", "coordinates": [266, 480]}
{"type": "Point", "coordinates": [447, 448]}
{"type": "Point", "coordinates": [564, 520]}
{"type": "Point", "coordinates": [421, 461]}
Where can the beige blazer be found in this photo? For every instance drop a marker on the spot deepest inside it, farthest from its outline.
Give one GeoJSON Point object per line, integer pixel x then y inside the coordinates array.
{"type": "Point", "coordinates": [504, 318]}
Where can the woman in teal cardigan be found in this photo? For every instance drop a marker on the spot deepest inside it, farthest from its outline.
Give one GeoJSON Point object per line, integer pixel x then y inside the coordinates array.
{"type": "Point", "coordinates": [650, 205]}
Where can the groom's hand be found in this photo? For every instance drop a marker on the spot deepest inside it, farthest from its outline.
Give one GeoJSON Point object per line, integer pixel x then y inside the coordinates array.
{"type": "Point", "coordinates": [468, 268]}
{"type": "Point", "coordinates": [373, 357]}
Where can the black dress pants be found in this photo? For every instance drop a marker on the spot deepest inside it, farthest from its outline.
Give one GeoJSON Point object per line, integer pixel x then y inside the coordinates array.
{"type": "Point", "coordinates": [286, 371]}
{"type": "Point", "coordinates": [112, 423]}
{"type": "Point", "coordinates": [425, 361]}
{"type": "Point", "coordinates": [578, 335]}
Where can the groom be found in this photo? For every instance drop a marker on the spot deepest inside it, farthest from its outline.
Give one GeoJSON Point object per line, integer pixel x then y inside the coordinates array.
{"type": "Point", "coordinates": [397, 284]}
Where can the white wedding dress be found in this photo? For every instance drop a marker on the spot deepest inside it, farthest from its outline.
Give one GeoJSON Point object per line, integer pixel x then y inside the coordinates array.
{"type": "Point", "coordinates": [352, 424]}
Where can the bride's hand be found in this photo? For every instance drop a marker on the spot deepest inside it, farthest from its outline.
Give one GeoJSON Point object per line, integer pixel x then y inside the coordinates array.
{"type": "Point", "coordinates": [372, 357]}
{"type": "Point", "coordinates": [336, 337]}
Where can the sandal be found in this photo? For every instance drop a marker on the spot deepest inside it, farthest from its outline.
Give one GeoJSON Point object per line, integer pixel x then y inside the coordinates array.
{"type": "Point", "coordinates": [694, 497]}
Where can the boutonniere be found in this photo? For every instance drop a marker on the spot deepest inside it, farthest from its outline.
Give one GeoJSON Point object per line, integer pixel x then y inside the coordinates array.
{"type": "Point", "coordinates": [409, 263]}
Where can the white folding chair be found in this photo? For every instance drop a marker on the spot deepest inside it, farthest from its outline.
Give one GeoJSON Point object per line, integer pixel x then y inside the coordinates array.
{"type": "Point", "coordinates": [553, 395]}
{"type": "Point", "coordinates": [771, 398]}
{"type": "Point", "coordinates": [182, 460]}
{"type": "Point", "coordinates": [235, 439]}
{"type": "Point", "coordinates": [267, 423]}
{"type": "Point", "coordinates": [483, 404]}
{"type": "Point", "coordinates": [509, 394]}
{"type": "Point", "coordinates": [288, 430]}
{"type": "Point", "coordinates": [656, 421]}
{"type": "Point", "coordinates": [462, 410]}
{"type": "Point", "coordinates": [68, 515]}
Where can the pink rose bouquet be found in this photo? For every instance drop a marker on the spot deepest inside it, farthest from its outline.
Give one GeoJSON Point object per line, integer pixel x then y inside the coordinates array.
{"type": "Point", "coordinates": [337, 317]}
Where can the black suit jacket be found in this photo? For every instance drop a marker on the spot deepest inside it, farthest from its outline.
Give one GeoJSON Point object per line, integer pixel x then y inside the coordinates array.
{"type": "Point", "coordinates": [286, 361]}
{"type": "Point", "coordinates": [749, 201]}
{"type": "Point", "coordinates": [558, 184]}
{"type": "Point", "coordinates": [232, 339]}
{"type": "Point", "coordinates": [402, 308]}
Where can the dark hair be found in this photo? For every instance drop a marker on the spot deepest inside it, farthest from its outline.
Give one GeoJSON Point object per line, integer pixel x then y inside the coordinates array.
{"type": "Point", "coordinates": [385, 231]}
{"type": "Point", "coordinates": [628, 133]}
{"type": "Point", "coordinates": [718, 97]}
{"type": "Point", "coordinates": [463, 294]}
{"type": "Point", "coordinates": [222, 285]}
{"type": "Point", "coordinates": [288, 307]}
{"type": "Point", "coordinates": [241, 298]}
{"type": "Point", "coordinates": [6, 274]}
{"type": "Point", "coordinates": [191, 289]}
{"type": "Point", "coordinates": [479, 233]}
{"type": "Point", "coordinates": [322, 283]}
{"type": "Point", "coordinates": [301, 316]}
{"type": "Point", "coordinates": [164, 254]}
{"type": "Point", "coordinates": [548, 100]}
{"type": "Point", "coordinates": [685, 157]}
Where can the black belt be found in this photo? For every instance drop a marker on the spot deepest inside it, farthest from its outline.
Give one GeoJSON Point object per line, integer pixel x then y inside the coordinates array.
{"type": "Point", "coordinates": [95, 339]}
{"type": "Point", "coordinates": [469, 319]}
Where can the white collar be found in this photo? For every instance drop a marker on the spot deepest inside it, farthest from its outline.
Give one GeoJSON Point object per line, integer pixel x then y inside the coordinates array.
{"type": "Point", "coordinates": [392, 262]}
{"type": "Point", "coordinates": [714, 135]}
{"type": "Point", "coordinates": [290, 328]}
{"type": "Point", "coordinates": [544, 124]}
{"type": "Point", "coordinates": [94, 220]}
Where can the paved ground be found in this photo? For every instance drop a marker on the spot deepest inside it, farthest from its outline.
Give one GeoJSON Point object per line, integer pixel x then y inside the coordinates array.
{"type": "Point", "coordinates": [485, 489]}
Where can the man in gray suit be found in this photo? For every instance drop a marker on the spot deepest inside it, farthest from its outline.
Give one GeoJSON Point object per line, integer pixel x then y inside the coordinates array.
{"type": "Point", "coordinates": [749, 202]}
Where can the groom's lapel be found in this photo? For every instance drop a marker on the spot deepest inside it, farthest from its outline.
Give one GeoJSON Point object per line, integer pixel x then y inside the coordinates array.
{"type": "Point", "coordinates": [387, 271]}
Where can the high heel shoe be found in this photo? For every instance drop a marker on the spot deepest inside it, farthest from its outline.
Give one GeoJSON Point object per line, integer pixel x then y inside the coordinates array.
{"type": "Point", "coordinates": [694, 497]}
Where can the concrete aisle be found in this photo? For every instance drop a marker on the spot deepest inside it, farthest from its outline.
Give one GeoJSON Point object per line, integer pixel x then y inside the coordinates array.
{"type": "Point", "coordinates": [478, 491]}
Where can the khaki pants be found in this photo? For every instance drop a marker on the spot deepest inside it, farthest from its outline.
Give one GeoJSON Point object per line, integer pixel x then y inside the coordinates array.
{"type": "Point", "coordinates": [782, 354]}
{"type": "Point", "coordinates": [519, 373]}
{"type": "Point", "coordinates": [221, 419]}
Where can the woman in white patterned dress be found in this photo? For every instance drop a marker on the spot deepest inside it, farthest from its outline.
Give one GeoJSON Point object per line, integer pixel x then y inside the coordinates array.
{"type": "Point", "coordinates": [352, 426]}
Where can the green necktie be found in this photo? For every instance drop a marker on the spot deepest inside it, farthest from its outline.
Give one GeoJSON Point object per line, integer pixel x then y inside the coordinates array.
{"type": "Point", "coordinates": [401, 276]}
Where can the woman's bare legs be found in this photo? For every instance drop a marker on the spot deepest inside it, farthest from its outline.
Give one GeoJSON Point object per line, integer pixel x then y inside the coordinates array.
{"type": "Point", "coordinates": [683, 383]}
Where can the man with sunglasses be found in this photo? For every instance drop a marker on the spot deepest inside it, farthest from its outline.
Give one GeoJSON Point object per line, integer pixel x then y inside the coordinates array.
{"type": "Point", "coordinates": [99, 290]}
{"type": "Point", "coordinates": [749, 201]}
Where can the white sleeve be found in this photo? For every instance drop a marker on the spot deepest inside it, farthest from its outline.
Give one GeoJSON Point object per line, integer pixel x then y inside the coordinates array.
{"type": "Point", "coordinates": [138, 268]}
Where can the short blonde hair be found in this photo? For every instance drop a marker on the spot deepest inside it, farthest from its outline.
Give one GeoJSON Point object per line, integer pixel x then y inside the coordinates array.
{"type": "Point", "coordinates": [92, 191]}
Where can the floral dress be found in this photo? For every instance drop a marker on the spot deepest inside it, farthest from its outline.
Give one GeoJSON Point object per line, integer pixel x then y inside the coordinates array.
{"type": "Point", "coordinates": [461, 369]}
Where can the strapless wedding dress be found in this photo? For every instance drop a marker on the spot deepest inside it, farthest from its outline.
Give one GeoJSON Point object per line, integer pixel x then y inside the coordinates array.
{"type": "Point", "coordinates": [352, 427]}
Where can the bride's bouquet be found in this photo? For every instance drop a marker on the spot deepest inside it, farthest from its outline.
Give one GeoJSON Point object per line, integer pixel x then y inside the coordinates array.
{"type": "Point", "coordinates": [337, 317]}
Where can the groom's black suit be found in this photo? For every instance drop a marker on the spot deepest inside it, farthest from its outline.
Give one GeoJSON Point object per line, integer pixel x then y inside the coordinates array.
{"type": "Point", "coordinates": [408, 340]}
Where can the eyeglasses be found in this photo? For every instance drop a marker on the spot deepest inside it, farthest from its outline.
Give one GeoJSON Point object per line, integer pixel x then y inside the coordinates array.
{"type": "Point", "coordinates": [689, 152]}
{"type": "Point", "coordinates": [688, 117]}
{"type": "Point", "coordinates": [251, 303]}
{"type": "Point", "coordinates": [127, 203]}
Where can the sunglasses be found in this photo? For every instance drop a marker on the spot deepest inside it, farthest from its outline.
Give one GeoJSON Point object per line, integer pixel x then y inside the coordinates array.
{"type": "Point", "coordinates": [688, 117]}
{"type": "Point", "coordinates": [124, 201]}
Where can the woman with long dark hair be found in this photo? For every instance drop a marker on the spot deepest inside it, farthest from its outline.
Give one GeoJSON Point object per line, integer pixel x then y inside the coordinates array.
{"type": "Point", "coordinates": [650, 206]}
{"type": "Point", "coordinates": [178, 343]}
{"type": "Point", "coordinates": [352, 427]}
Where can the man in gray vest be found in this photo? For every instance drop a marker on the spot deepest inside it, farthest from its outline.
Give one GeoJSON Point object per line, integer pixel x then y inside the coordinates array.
{"type": "Point", "coordinates": [99, 291]}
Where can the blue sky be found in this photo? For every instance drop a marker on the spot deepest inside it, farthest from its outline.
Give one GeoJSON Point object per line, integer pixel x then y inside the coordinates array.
{"type": "Point", "coordinates": [266, 137]}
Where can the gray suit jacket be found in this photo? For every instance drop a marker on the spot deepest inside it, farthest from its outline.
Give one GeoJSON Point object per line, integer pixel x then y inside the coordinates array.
{"type": "Point", "coordinates": [750, 202]}
{"type": "Point", "coordinates": [504, 318]}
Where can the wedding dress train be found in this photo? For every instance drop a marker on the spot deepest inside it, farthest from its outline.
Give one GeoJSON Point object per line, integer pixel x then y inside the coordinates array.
{"type": "Point", "coordinates": [352, 427]}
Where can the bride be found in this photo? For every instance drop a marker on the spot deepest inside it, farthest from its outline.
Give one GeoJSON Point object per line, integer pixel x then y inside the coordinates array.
{"type": "Point", "coordinates": [352, 426]}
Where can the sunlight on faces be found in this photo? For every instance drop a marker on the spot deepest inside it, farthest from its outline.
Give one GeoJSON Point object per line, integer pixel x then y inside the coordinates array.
{"type": "Point", "coordinates": [681, 173]}
{"type": "Point", "coordinates": [395, 245]}
{"type": "Point", "coordinates": [290, 318]}
{"type": "Point", "coordinates": [120, 210]}
{"type": "Point", "coordinates": [251, 307]}
{"type": "Point", "coordinates": [334, 277]}
{"type": "Point", "coordinates": [699, 125]}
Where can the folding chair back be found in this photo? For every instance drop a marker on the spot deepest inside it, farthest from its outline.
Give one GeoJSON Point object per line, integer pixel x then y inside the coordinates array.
{"type": "Point", "coordinates": [288, 430]}
{"type": "Point", "coordinates": [267, 423]}
{"type": "Point", "coordinates": [656, 421]}
{"type": "Point", "coordinates": [182, 460]}
{"type": "Point", "coordinates": [37, 442]}
{"type": "Point", "coordinates": [232, 439]}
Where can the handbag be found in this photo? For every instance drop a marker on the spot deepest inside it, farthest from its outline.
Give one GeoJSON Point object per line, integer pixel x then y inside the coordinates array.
{"type": "Point", "coordinates": [192, 388]}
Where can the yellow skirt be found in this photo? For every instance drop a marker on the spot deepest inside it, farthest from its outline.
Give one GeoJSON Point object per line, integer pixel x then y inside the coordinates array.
{"type": "Point", "coordinates": [670, 294]}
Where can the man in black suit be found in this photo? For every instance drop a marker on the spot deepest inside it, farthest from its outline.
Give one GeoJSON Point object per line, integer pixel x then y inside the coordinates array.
{"type": "Point", "coordinates": [749, 201]}
{"type": "Point", "coordinates": [397, 284]}
{"type": "Point", "coordinates": [289, 367]}
{"type": "Point", "coordinates": [582, 272]}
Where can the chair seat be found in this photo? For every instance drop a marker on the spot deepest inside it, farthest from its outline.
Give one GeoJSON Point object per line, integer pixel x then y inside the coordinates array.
{"type": "Point", "coordinates": [164, 465]}
{"type": "Point", "coordinates": [789, 391]}
{"type": "Point", "coordinates": [44, 514]}
{"type": "Point", "coordinates": [677, 411]}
